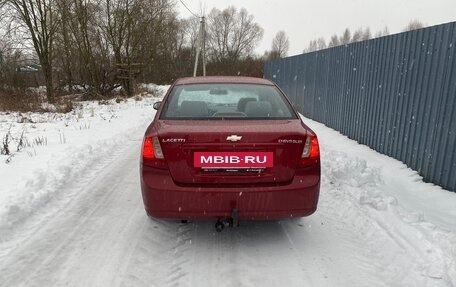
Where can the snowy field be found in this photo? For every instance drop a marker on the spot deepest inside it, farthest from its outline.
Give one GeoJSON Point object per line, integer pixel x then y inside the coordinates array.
{"type": "Point", "coordinates": [71, 214]}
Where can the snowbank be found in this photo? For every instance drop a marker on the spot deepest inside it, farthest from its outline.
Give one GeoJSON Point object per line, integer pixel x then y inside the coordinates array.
{"type": "Point", "coordinates": [390, 205]}
{"type": "Point", "coordinates": [55, 148]}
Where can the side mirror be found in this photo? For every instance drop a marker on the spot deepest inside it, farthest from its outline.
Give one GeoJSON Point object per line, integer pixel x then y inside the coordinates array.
{"type": "Point", "coordinates": [157, 105]}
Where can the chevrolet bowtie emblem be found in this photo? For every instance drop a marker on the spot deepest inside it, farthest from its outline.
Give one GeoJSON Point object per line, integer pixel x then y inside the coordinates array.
{"type": "Point", "coordinates": [234, 138]}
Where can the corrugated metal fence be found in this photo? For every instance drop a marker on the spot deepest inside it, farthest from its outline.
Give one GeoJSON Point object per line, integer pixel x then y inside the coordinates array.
{"type": "Point", "coordinates": [396, 94]}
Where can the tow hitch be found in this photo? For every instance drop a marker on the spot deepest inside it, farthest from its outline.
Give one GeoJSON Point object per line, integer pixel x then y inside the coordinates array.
{"type": "Point", "coordinates": [232, 221]}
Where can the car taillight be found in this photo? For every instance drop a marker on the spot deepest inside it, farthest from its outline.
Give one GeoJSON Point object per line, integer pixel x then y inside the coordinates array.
{"type": "Point", "coordinates": [152, 153]}
{"type": "Point", "coordinates": [148, 149]}
{"type": "Point", "coordinates": [311, 152]}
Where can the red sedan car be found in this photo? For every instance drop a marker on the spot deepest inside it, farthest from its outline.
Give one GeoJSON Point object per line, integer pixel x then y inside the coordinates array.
{"type": "Point", "coordinates": [228, 148]}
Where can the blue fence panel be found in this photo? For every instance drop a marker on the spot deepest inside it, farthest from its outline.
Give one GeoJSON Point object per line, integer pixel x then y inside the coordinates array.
{"type": "Point", "coordinates": [396, 94]}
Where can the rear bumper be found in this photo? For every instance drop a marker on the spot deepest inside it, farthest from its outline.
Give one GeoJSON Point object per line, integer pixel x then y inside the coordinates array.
{"type": "Point", "coordinates": [164, 199]}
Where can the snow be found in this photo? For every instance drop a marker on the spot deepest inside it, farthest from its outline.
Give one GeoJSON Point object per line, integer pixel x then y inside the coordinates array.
{"type": "Point", "coordinates": [418, 217]}
{"type": "Point", "coordinates": [59, 147]}
{"type": "Point", "coordinates": [71, 214]}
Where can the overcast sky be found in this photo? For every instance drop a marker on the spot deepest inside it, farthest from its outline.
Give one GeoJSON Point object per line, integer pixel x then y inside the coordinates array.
{"type": "Point", "coordinates": [304, 20]}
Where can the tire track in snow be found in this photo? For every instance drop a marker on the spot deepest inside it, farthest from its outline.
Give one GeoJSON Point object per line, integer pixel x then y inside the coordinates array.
{"type": "Point", "coordinates": [60, 196]}
{"type": "Point", "coordinates": [254, 254]}
{"type": "Point", "coordinates": [178, 271]}
{"type": "Point", "coordinates": [160, 255]}
{"type": "Point", "coordinates": [293, 252]}
{"type": "Point", "coordinates": [53, 253]}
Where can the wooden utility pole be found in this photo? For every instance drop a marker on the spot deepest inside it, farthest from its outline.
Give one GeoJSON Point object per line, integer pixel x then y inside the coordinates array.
{"type": "Point", "coordinates": [201, 47]}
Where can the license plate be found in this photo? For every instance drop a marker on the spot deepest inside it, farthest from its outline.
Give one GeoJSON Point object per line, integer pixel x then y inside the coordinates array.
{"type": "Point", "coordinates": [233, 160]}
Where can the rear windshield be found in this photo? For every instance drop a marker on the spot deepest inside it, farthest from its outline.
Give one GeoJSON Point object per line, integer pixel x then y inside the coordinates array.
{"type": "Point", "coordinates": [226, 101]}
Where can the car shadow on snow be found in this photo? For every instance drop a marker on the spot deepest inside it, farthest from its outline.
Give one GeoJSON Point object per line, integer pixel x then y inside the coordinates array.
{"type": "Point", "coordinates": [255, 233]}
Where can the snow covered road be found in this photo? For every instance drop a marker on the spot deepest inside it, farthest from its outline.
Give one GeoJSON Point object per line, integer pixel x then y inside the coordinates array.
{"type": "Point", "coordinates": [103, 238]}
{"type": "Point", "coordinates": [374, 227]}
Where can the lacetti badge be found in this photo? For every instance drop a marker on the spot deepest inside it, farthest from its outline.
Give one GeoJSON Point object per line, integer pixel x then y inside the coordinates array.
{"type": "Point", "coordinates": [234, 138]}
{"type": "Point", "coordinates": [211, 160]}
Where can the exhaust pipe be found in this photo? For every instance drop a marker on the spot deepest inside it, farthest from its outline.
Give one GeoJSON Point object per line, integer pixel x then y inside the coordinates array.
{"type": "Point", "coordinates": [219, 226]}
{"type": "Point", "coordinates": [232, 221]}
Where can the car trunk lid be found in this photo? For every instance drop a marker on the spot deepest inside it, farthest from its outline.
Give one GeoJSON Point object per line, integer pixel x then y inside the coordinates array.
{"type": "Point", "coordinates": [232, 151]}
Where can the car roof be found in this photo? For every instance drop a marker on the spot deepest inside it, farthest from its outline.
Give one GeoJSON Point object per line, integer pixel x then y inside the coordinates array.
{"type": "Point", "coordinates": [223, 79]}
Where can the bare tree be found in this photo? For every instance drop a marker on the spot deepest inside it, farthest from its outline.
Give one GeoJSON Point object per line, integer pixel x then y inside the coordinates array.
{"type": "Point", "coordinates": [313, 46]}
{"type": "Point", "coordinates": [346, 37]}
{"type": "Point", "coordinates": [321, 43]}
{"type": "Point", "coordinates": [382, 33]}
{"type": "Point", "coordinates": [414, 25]}
{"type": "Point", "coordinates": [89, 52]}
{"type": "Point", "coordinates": [367, 35]}
{"type": "Point", "coordinates": [63, 44]}
{"type": "Point", "coordinates": [361, 35]}
{"type": "Point", "coordinates": [334, 41]}
{"type": "Point", "coordinates": [10, 59]}
{"type": "Point", "coordinates": [280, 44]}
{"type": "Point", "coordinates": [358, 35]}
{"type": "Point", "coordinates": [120, 23]}
{"type": "Point", "coordinates": [232, 35]}
{"type": "Point", "coordinates": [39, 19]}
{"type": "Point", "coordinates": [316, 45]}
{"type": "Point", "coordinates": [178, 46]}
{"type": "Point", "coordinates": [82, 43]}
{"type": "Point", "coordinates": [190, 29]}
